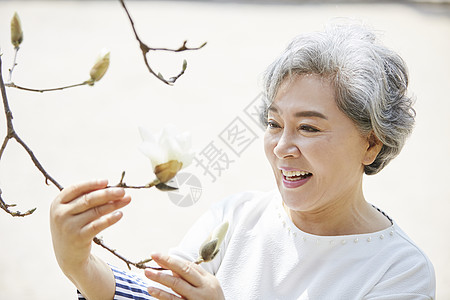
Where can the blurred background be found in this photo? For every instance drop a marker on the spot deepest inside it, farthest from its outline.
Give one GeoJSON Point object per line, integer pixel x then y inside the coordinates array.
{"type": "Point", "coordinates": [91, 132]}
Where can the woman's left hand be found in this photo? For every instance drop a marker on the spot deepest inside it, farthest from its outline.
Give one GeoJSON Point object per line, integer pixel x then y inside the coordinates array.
{"type": "Point", "coordinates": [189, 280]}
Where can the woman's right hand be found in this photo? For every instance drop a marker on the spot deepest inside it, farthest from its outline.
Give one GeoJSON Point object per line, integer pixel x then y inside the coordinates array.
{"type": "Point", "coordinates": [77, 215]}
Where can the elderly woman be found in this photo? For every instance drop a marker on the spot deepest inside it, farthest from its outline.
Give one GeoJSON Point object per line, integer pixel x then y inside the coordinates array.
{"type": "Point", "coordinates": [336, 108]}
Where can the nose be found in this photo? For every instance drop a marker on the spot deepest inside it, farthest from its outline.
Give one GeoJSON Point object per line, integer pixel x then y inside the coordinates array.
{"type": "Point", "coordinates": [286, 147]}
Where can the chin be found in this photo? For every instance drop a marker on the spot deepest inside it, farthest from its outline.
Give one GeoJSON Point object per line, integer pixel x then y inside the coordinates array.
{"type": "Point", "coordinates": [292, 199]}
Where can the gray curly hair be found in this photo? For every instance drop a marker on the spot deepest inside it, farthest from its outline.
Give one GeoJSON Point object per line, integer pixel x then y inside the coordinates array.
{"type": "Point", "coordinates": [370, 82]}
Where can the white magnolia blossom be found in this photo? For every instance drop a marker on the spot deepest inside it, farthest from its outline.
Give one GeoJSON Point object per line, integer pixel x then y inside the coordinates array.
{"type": "Point", "coordinates": [211, 246]}
{"type": "Point", "coordinates": [169, 145]}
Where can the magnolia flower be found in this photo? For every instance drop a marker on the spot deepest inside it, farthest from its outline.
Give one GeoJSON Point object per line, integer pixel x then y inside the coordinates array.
{"type": "Point", "coordinates": [16, 31]}
{"type": "Point", "coordinates": [100, 67]}
{"type": "Point", "coordinates": [211, 246]}
{"type": "Point", "coordinates": [169, 151]}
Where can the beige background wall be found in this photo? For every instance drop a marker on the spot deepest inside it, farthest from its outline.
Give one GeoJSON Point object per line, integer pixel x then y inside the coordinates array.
{"type": "Point", "coordinates": [89, 132]}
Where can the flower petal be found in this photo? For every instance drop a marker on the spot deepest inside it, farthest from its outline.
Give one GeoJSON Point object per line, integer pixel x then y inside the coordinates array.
{"type": "Point", "coordinates": [154, 153]}
{"type": "Point", "coordinates": [146, 135]}
{"type": "Point", "coordinates": [167, 145]}
{"type": "Point", "coordinates": [220, 232]}
{"type": "Point", "coordinates": [185, 141]}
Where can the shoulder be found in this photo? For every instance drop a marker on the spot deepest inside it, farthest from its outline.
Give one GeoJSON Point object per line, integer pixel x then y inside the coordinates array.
{"type": "Point", "coordinates": [406, 269]}
{"type": "Point", "coordinates": [411, 254]}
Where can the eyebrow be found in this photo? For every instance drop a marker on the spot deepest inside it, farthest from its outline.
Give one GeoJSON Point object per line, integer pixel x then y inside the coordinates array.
{"type": "Point", "coordinates": [305, 113]}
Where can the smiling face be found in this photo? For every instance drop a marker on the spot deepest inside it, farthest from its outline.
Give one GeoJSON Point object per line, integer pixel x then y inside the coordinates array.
{"type": "Point", "coordinates": [316, 152]}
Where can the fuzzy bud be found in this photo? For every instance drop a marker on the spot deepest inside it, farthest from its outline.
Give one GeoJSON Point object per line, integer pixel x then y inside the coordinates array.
{"type": "Point", "coordinates": [210, 247]}
{"type": "Point", "coordinates": [101, 66]}
{"type": "Point", "coordinates": [209, 250]}
{"type": "Point", "coordinates": [16, 31]}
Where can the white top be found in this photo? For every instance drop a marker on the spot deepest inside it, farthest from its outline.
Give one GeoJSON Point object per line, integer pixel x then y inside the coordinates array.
{"type": "Point", "coordinates": [265, 256]}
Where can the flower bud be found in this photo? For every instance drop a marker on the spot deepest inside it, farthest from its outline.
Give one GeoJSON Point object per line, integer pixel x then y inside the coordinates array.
{"type": "Point", "coordinates": [16, 31]}
{"type": "Point", "coordinates": [209, 250]}
{"type": "Point", "coordinates": [210, 247]}
{"type": "Point", "coordinates": [166, 171]}
{"type": "Point", "coordinates": [100, 67]}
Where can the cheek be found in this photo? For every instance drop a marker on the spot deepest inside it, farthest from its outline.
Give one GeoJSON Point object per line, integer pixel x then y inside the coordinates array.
{"type": "Point", "coordinates": [269, 144]}
{"type": "Point", "coordinates": [342, 158]}
{"type": "Point", "coordinates": [323, 154]}
{"type": "Point", "coordinates": [319, 154]}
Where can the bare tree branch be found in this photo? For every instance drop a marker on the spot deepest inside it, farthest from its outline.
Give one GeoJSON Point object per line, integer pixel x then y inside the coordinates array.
{"type": "Point", "coordinates": [140, 265]}
{"type": "Point", "coordinates": [37, 163]}
{"type": "Point", "coordinates": [6, 207]}
{"type": "Point", "coordinates": [145, 49]}
{"type": "Point", "coordinates": [155, 183]}
{"type": "Point", "coordinates": [13, 85]}
{"type": "Point", "coordinates": [12, 134]}
{"type": "Point", "coordinates": [16, 49]}
{"type": "Point", "coordinates": [180, 49]}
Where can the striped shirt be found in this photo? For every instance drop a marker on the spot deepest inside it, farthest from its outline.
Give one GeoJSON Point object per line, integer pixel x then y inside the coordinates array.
{"type": "Point", "coordinates": [128, 286]}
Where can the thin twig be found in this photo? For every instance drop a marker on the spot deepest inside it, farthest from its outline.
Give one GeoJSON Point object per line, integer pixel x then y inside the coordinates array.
{"type": "Point", "coordinates": [8, 113]}
{"type": "Point", "coordinates": [122, 184]}
{"type": "Point", "coordinates": [140, 265]}
{"type": "Point", "coordinates": [6, 207]}
{"type": "Point", "coordinates": [155, 183]}
{"type": "Point", "coordinates": [181, 48]}
{"type": "Point", "coordinates": [37, 163]}
{"type": "Point", "coordinates": [5, 143]}
{"type": "Point", "coordinates": [135, 187]}
{"type": "Point", "coordinates": [145, 49]}
{"type": "Point", "coordinates": [13, 85]}
{"type": "Point", "coordinates": [16, 49]}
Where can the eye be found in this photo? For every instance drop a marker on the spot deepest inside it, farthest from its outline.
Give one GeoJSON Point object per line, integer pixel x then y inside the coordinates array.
{"type": "Point", "coordinates": [308, 128]}
{"type": "Point", "coordinates": [272, 124]}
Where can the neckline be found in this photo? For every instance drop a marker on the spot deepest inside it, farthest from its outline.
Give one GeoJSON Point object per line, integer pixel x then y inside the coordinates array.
{"type": "Point", "coordinates": [296, 232]}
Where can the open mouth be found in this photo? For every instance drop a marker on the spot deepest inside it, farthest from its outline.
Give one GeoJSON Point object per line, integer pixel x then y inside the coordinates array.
{"type": "Point", "coordinates": [295, 175]}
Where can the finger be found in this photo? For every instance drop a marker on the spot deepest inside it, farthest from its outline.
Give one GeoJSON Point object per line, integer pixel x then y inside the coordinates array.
{"type": "Point", "coordinates": [160, 294]}
{"type": "Point", "coordinates": [189, 271]}
{"type": "Point", "coordinates": [94, 199]}
{"type": "Point", "coordinates": [74, 191]}
{"type": "Point", "coordinates": [177, 284]}
{"type": "Point", "coordinates": [99, 211]}
{"type": "Point", "coordinates": [95, 227]}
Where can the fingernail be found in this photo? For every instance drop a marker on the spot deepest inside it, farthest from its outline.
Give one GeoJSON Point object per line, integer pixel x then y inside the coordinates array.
{"type": "Point", "coordinates": [151, 290]}
{"type": "Point", "coordinates": [150, 274]}
{"type": "Point", "coordinates": [155, 255]}
{"type": "Point", "coordinates": [118, 191]}
{"type": "Point", "coordinates": [102, 181]}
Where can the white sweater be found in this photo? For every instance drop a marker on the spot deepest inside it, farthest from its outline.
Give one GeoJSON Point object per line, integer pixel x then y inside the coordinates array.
{"type": "Point", "coordinates": [265, 256]}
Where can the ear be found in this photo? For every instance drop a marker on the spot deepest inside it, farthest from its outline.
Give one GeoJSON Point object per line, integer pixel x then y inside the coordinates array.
{"type": "Point", "coordinates": [374, 146]}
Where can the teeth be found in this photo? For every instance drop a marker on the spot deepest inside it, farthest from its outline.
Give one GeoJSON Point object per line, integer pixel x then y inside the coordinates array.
{"type": "Point", "coordinates": [294, 173]}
